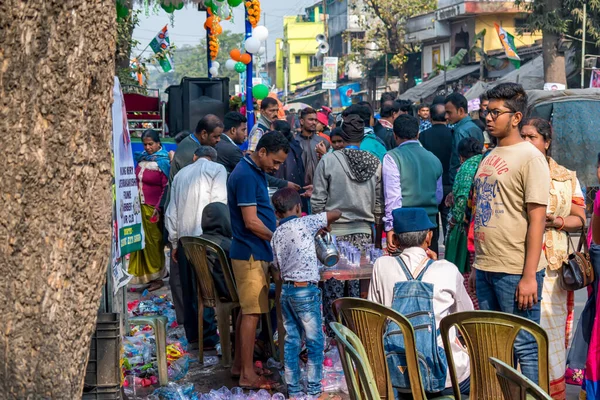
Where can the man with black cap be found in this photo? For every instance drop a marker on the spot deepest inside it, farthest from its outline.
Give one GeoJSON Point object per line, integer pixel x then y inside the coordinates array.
{"type": "Point", "coordinates": [413, 235]}
{"type": "Point", "coordinates": [348, 180]}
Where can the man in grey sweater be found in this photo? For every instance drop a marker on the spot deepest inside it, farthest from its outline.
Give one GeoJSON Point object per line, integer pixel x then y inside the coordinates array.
{"type": "Point", "coordinates": [348, 180]}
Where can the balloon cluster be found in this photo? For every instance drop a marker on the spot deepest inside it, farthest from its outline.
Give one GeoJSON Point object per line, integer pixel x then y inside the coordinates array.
{"type": "Point", "coordinates": [252, 45]}
{"type": "Point", "coordinates": [171, 5]}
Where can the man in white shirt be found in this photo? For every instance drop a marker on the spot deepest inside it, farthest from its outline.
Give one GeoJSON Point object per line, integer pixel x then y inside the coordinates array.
{"type": "Point", "coordinates": [412, 235]}
{"type": "Point", "coordinates": [194, 187]}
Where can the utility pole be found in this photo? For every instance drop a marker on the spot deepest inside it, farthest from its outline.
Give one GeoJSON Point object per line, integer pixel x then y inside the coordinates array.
{"type": "Point", "coordinates": [482, 60]}
{"type": "Point", "coordinates": [266, 47]}
{"type": "Point", "coordinates": [583, 45]}
{"type": "Point", "coordinates": [326, 33]}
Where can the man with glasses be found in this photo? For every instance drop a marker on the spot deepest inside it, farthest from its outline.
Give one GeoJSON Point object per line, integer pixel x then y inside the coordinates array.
{"type": "Point", "coordinates": [463, 127]}
{"type": "Point", "coordinates": [511, 190]}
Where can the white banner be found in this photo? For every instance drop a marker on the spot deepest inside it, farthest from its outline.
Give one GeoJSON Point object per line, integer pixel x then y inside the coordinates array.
{"type": "Point", "coordinates": [330, 72]}
{"type": "Point", "coordinates": [130, 233]}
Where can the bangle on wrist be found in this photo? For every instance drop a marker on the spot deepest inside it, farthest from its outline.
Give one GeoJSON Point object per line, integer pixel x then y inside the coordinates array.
{"type": "Point", "coordinates": [563, 223]}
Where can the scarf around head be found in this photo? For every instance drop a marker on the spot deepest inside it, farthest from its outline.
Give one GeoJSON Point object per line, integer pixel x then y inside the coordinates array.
{"type": "Point", "coordinates": [353, 129]}
{"type": "Point", "coordinates": [161, 157]}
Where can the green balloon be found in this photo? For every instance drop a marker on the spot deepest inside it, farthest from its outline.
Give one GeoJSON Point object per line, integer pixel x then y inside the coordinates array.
{"type": "Point", "coordinates": [168, 8]}
{"type": "Point", "coordinates": [179, 6]}
{"type": "Point", "coordinates": [234, 3]}
{"type": "Point", "coordinates": [240, 67]}
{"type": "Point", "coordinates": [260, 91]}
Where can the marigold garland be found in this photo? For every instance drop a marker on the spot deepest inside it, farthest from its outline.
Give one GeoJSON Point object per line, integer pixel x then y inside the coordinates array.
{"type": "Point", "coordinates": [253, 8]}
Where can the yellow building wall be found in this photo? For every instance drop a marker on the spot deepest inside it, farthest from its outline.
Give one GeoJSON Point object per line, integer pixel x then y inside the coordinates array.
{"type": "Point", "coordinates": [506, 21]}
{"type": "Point", "coordinates": [298, 40]}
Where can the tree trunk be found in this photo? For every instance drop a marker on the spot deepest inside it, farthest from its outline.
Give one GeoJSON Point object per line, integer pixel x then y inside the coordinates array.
{"type": "Point", "coordinates": [56, 78]}
{"type": "Point", "coordinates": [554, 62]}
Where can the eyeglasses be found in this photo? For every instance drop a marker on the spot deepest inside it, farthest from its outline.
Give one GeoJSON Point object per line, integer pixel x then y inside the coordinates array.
{"type": "Point", "coordinates": [496, 113]}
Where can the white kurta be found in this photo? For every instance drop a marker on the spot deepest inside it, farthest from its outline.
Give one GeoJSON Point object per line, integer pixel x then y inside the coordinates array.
{"type": "Point", "coordinates": [449, 294]}
{"type": "Point", "coordinates": [194, 187]}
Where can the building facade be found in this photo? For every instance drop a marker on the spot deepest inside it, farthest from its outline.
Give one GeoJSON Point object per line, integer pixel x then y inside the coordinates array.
{"type": "Point", "coordinates": [295, 53]}
{"type": "Point", "coordinates": [454, 25]}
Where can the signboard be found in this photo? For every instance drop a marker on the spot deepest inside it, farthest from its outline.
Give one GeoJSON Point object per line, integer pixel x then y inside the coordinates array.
{"type": "Point", "coordinates": [330, 71]}
{"type": "Point", "coordinates": [554, 86]}
{"type": "Point", "coordinates": [595, 79]}
{"type": "Point", "coordinates": [130, 234]}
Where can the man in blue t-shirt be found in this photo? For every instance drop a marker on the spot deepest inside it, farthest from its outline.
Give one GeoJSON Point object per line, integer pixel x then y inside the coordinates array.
{"type": "Point", "coordinates": [253, 223]}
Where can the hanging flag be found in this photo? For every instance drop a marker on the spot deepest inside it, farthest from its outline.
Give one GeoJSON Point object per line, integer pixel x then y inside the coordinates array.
{"type": "Point", "coordinates": [508, 42]}
{"type": "Point", "coordinates": [160, 44]}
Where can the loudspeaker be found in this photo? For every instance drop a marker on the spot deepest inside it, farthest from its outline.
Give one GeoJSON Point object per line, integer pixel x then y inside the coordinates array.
{"type": "Point", "coordinates": [202, 96]}
{"type": "Point", "coordinates": [174, 110]}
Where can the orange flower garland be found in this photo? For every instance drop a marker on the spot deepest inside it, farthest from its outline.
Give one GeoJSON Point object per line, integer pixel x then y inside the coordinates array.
{"type": "Point", "coordinates": [215, 29]}
{"type": "Point", "coordinates": [213, 46]}
{"type": "Point", "coordinates": [253, 8]}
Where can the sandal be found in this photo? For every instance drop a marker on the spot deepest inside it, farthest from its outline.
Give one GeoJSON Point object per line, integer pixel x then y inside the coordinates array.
{"type": "Point", "coordinates": [261, 383]}
{"type": "Point", "coordinates": [155, 285]}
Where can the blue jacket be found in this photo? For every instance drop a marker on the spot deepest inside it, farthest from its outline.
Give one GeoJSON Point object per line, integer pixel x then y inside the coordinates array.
{"type": "Point", "coordinates": [461, 130]}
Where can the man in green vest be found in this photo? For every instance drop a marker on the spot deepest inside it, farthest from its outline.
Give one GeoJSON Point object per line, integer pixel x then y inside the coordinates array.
{"type": "Point", "coordinates": [412, 177]}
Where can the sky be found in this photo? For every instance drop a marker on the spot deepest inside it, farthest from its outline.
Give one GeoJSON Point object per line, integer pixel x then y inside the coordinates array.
{"type": "Point", "coordinates": [188, 24]}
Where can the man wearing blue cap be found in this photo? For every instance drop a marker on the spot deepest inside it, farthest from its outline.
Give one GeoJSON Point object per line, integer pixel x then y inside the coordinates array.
{"type": "Point", "coordinates": [412, 234]}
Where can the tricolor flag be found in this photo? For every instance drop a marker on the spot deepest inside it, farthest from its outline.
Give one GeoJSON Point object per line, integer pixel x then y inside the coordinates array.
{"type": "Point", "coordinates": [508, 42]}
{"type": "Point", "coordinates": [159, 44]}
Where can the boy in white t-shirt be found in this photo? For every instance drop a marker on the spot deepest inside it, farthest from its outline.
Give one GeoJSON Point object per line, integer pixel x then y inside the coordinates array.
{"type": "Point", "coordinates": [295, 257]}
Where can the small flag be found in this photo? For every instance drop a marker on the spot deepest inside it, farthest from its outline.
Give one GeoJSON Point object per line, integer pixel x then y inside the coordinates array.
{"type": "Point", "coordinates": [159, 44]}
{"type": "Point", "coordinates": [508, 42]}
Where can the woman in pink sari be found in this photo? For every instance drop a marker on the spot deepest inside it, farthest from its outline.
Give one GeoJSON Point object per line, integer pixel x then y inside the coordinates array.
{"type": "Point", "coordinates": [585, 350]}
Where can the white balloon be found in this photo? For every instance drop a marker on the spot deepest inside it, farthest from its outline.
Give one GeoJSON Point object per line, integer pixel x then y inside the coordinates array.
{"type": "Point", "coordinates": [230, 64]}
{"type": "Point", "coordinates": [252, 45]}
{"type": "Point", "coordinates": [224, 11]}
{"type": "Point", "coordinates": [261, 33]}
{"type": "Point", "coordinates": [214, 72]}
{"type": "Point", "coordinates": [215, 64]}
{"type": "Point", "coordinates": [262, 50]}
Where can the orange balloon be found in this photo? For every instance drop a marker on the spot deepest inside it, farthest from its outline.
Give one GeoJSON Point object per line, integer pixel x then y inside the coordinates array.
{"type": "Point", "coordinates": [216, 29]}
{"type": "Point", "coordinates": [209, 22]}
{"type": "Point", "coordinates": [235, 54]}
{"type": "Point", "coordinates": [246, 58]}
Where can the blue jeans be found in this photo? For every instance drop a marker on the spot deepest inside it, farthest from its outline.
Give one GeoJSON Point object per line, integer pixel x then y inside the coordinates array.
{"type": "Point", "coordinates": [496, 292]}
{"type": "Point", "coordinates": [301, 312]}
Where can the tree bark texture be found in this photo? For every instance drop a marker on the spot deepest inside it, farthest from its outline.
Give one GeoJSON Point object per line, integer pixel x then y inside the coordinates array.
{"type": "Point", "coordinates": [554, 62]}
{"type": "Point", "coordinates": [56, 79]}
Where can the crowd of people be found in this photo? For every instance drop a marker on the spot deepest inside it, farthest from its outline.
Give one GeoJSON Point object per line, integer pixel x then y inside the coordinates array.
{"type": "Point", "coordinates": [401, 181]}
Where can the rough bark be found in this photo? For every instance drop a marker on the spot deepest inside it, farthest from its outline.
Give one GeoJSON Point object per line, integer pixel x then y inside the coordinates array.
{"type": "Point", "coordinates": [56, 76]}
{"type": "Point", "coordinates": [554, 62]}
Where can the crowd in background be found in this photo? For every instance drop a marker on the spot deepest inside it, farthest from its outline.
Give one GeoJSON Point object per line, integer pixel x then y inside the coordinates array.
{"type": "Point", "coordinates": [486, 185]}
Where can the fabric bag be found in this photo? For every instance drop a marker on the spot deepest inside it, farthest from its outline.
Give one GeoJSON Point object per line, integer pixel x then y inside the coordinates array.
{"type": "Point", "coordinates": [577, 272]}
{"type": "Point", "coordinates": [457, 251]}
{"type": "Point", "coordinates": [414, 300]}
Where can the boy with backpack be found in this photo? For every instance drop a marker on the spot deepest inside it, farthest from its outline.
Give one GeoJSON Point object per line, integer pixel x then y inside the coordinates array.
{"type": "Point", "coordinates": [295, 259]}
{"type": "Point", "coordinates": [425, 290]}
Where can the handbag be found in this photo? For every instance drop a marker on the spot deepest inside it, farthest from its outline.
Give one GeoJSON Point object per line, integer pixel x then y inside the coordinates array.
{"type": "Point", "coordinates": [577, 272]}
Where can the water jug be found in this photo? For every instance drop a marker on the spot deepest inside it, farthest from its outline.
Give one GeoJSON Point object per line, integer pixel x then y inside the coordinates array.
{"type": "Point", "coordinates": [327, 252]}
